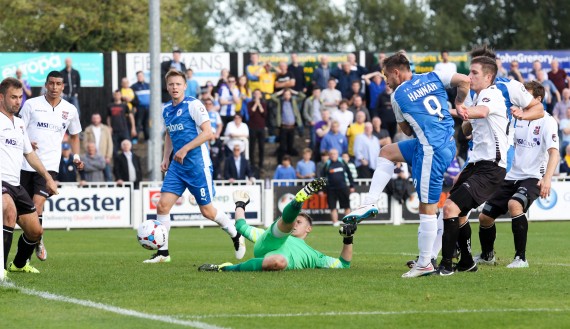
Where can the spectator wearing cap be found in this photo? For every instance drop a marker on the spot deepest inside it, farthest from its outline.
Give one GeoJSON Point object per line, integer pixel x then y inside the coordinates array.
{"type": "Point", "coordinates": [174, 64]}
{"type": "Point", "coordinates": [67, 170]}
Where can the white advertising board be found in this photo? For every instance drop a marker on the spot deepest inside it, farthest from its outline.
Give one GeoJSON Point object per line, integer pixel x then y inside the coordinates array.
{"type": "Point", "coordinates": [554, 207]}
{"type": "Point", "coordinates": [206, 66]}
{"type": "Point", "coordinates": [187, 213]}
{"type": "Point", "coordinates": [96, 207]}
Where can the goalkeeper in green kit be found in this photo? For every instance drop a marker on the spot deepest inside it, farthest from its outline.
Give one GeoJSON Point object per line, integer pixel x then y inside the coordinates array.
{"type": "Point", "coordinates": [282, 246]}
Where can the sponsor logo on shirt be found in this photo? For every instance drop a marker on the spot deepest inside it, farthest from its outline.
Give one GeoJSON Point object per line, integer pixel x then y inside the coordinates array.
{"type": "Point", "coordinates": [48, 126]}
{"type": "Point", "coordinates": [175, 127]}
{"type": "Point", "coordinates": [525, 143]}
{"type": "Point", "coordinates": [10, 141]}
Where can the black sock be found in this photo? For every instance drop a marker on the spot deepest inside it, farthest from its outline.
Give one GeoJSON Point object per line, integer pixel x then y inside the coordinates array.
{"type": "Point", "coordinates": [449, 239]}
{"type": "Point", "coordinates": [464, 241]}
{"type": "Point", "coordinates": [520, 229]}
{"type": "Point", "coordinates": [25, 251]}
{"type": "Point", "coordinates": [487, 236]}
{"type": "Point", "coordinates": [162, 252]}
{"type": "Point", "coordinates": [8, 235]}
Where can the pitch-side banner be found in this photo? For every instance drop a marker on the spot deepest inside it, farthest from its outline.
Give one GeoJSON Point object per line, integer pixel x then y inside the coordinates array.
{"type": "Point", "coordinates": [206, 66]}
{"type": "Point", "coordinates": [425, 62]}
{"type": "Point", "coordinates": [76, 207]}
{"type": "Point", "coordinates": [36, 66]}
{"type": "Point", "coordinates": [527, 57]}
{"type": "Point", "coordinates": [317, 206]}
{"type": "Point", "coordinates": [187, 213]}
{"type": "Point", "coordinates": [554, 207]}
{"type": "Point", "coordinates": [310, 61]}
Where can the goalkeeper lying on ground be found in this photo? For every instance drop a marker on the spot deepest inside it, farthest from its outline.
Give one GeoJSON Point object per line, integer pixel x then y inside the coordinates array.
{"type": "Point", "coordinates": [282, 246]}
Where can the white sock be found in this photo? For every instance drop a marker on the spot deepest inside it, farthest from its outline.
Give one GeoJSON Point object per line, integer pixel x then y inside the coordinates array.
{"type": "Point", "coordinates": [381, 177]}
{"type": "Point", "coordinates": [426, 236]}
{"type": "Point", "coordinates": [165, 220]}
{"type": "Point", "coordinates": [437, 243]}
{"type": "Point", "coordinates": [226, 223]}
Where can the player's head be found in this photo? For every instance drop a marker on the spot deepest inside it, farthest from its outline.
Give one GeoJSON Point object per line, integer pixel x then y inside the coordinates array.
{"type": "Point", "coordinates": [175, 84]}
{"type": "Point", "coordinates": [482, 73]}
{"type": "Point", "coordinates": [54, 84]}
{"type": "Point", "coordinates": [536, 89]}
{"type": "Point", "coordinates": [397, 69]}
{"type": "Point", "coordinates": [303, 226]}
{"type": "Point", "coordinates": [11, 93]}
{"type": "Point", "coordinates": [483, 50]}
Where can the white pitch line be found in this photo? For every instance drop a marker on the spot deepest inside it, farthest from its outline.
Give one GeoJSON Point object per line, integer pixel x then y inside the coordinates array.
{"type": "Point", "coordinates": [408, 312]}
{"type": "Point", "coordinates": [109, 308]}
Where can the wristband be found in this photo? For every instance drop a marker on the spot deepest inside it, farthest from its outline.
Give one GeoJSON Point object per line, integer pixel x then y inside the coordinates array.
{"type": "Point", "coordinates": [347, 240]}
{"type": "Point", "coordinates": [240, 204]}
{"type": "Point", "coordinates": [76, 158]}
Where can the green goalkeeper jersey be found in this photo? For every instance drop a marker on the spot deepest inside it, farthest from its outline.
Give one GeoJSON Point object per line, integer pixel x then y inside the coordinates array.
{"type": "Point", "coordinates": [298, 253]}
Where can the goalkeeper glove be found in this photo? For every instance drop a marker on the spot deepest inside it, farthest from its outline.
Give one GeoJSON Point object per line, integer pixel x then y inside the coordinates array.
{"type": "Point", "coordinates": [347, 231]}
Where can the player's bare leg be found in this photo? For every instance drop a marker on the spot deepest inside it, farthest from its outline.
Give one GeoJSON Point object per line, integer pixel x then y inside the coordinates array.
{"type": "Point", "coordinates": [382, 175]}
{"type": "Point", "coordinates": [165, 203]}
{"type": "Point", "coordinates": [39, 201]}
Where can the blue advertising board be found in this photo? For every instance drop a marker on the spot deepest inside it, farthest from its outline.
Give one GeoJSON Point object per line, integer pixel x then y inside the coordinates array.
{"type": "Point", "coordinates": [527, 57]}
{"type": "Point", "coordinates": [36, 66]}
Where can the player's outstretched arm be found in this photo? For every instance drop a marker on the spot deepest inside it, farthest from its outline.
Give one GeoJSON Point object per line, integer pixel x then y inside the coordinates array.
{"type": "Point", "coordinates": [347, 232]}
{"type": "Point", "coordinates": [462, 82]}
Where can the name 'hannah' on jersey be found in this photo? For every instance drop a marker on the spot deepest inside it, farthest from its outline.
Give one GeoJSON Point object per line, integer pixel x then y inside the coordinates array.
{"type": "Point", "coordinates": [183, 123]}
{"type": "Point", "coordinates": [422, 102]}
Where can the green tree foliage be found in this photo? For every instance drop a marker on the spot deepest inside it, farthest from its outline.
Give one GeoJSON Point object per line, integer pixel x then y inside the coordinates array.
{"type": "Point", "coordinates": [101, 25]}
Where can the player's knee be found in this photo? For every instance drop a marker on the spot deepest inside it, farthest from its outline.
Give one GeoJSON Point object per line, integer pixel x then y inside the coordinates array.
{"type": "Point", "coordinates": [386, 152]}
{"type": "Point", "coordinates": [485, 220]}
{"type": "Point", "coordinates": [450, 209]}
{"type": "Point", "coordinates": [34, 232]}
{"type": "Point", "coordinates": [274, 263]}
{"type": "Point", "coordinates": [515, 207]}
{"type": "Point", "coordinates": [163, 207]}
{"type": "Point", "coordinates": [9, 216]}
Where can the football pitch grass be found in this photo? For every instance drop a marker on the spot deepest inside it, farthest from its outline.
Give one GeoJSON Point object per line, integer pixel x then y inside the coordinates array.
{"type": "Point", "coordinates": [96, 279]}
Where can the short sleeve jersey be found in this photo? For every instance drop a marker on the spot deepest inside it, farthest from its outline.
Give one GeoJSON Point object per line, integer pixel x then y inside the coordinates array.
{"type": "Point", "coordinates": [46, 125]}
{"type": "Point", "coordinates": [514, 93]}
{"type": "Point", "coordinates": [490, 134]}
{"type": "Point", "coordinates": [533, 139]}
{"type": "Point", "coordinates": [15, 143]}
{"type": "Point", "coordinates": [183, 123]}
{"type": "Point", "coordinates": [422, 102]}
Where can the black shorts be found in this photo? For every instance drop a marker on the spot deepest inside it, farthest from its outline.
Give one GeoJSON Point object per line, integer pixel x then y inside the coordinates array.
{"type": "Point", "coordinates": [476, 184]}
{"type": "Point", "coordinates": [34, 183]}
{"type": "Point", "coordinates": [525, 191]}
{"type": "Point", "coordinates": [340, 195]}
{"type": "Point", "coordinates": [22, 200]}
